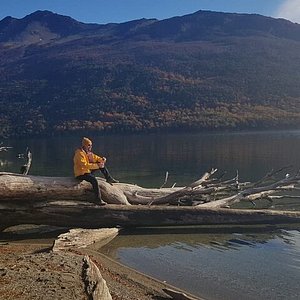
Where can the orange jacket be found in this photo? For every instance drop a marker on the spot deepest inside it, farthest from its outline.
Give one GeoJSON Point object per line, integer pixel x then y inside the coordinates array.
{"type": "Point", "coordinates": [84, 163]}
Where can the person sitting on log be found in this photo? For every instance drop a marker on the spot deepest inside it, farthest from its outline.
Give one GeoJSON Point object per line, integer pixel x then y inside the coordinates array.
{"type": "Point", "coordinates": [86, 163]}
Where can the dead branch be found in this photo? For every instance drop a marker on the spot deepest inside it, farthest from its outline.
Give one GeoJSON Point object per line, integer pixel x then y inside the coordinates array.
{"type": "Point", "coordinates": [256, 192]}
{"type": "Point", "coordinates": [186, 191]}
{"type": "Point", "coordinates": [25, 168]}
{"type": "Point", "coordinates": [3, 148]}
{"type": "Point", "coordinates": [166, 180]}
{"type": "Point", "coordinates": [270, 175]}
{"type": "Point", "coordinates": [282, 197]}
{"type": "Point", "coordinates": [204, 192]}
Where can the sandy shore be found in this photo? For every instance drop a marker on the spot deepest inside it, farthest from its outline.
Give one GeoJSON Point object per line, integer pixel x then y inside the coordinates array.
{"type": "Point", "coordinates": [30, 270]}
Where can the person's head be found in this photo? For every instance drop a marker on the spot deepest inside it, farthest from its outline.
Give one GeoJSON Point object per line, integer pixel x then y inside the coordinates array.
{"type": "Point", "coordinates": [86, 144]}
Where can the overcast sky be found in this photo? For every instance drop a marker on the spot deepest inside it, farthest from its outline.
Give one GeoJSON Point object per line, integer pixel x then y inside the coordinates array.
{"type": "Point", "coordinates": [106, 11]}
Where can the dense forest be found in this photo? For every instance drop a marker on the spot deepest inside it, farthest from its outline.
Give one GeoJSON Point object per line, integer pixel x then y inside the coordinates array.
{"type": "Point", "coordinates": [202, 71]}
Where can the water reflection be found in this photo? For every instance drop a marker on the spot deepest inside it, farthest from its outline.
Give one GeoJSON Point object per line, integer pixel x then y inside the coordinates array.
{"type": "Point", "coordinates": [4, 163]}
{"type": "Point", "coordinates": [217, 263]}
{"type": "Point", "coordinates": [214, 237]}
{"type": "Point", "coordinates": [144, 159]}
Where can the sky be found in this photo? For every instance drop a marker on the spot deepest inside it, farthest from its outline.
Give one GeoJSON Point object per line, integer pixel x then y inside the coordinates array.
{"type": "Point", "coordinates": [118, 11]}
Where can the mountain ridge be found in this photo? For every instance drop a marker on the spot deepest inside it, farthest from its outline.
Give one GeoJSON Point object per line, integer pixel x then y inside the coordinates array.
{"type": "Point", "coordinates": [201, 20]}
{"type": "Point", "coordinates": [202, 71]}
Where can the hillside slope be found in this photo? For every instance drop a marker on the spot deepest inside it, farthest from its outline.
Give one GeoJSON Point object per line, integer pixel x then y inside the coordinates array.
{"type": "Point", "coordinates": [205, 70]}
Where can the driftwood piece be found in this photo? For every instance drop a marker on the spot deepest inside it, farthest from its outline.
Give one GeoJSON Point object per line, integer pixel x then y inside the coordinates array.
{"type": "Point", "coordinates": [96, 286]}
{"type": "Point", "coordinates": [254, 193]}
{"type": "Point", "coordinates": [173, 196]}
{"type": "Point", "coordinates": [81, 238]}
{"type": "Point", "coordinates": [17, 187]}
{"type": "Point", "coordinates": [165, 181]}
{"type": "Point", "coordinates": [25, 168]}
{"type": "Point", "coordinates": [4, 148]}
{"type": "Point", "coordinates": [209, 192]}
{"type": "Point", "coordinates": [67, 202]}
{"type": "Point", "coordinates": [84, 215]}
{"type": "Point", "coordinates": [176, 295]}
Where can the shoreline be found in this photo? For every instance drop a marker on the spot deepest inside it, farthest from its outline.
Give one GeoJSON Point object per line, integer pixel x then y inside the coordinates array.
{"type": "Point", "coordinates": [31, 270]}
{"type": "Point", "coordinates": [147, 284]}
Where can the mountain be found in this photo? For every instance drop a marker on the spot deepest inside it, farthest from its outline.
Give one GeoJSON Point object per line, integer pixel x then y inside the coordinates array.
{"type": "Point", "coordinates": [203, 71]}
{"type": "Point", "coordinates": [39, 26]}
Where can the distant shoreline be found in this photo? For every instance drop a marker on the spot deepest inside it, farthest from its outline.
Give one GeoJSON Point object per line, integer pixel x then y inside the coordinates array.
{"type": "Point", "coordinates": [70, 134]}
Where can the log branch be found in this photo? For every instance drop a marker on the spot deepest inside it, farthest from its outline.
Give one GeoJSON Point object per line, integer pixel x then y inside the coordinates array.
{"type": "Point", "coordinates": [85, 215]}
{"type": "Point", "coordinates": [69, 202]}
{"type": "Point", "coordinates": [206, 191]}
{"type": "Point", "coordinates": [256, 192]}
{"type": "Point", "coordinates": [166, 180]}
{"type": "Point", "coordinates": [4, 148]}
{"type": "Point", "coordinates": [25, 168]}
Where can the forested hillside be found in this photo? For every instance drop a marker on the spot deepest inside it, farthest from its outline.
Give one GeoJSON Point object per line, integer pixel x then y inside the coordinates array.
{"type": "Point", "coordinates": [202, 71]}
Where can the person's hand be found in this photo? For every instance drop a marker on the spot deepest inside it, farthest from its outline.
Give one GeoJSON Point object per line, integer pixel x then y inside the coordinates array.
{"type": "Point", "coordinates": [101, 164]}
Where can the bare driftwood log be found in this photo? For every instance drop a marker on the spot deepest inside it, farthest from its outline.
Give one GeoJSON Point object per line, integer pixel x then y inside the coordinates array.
{"type": "Point", "coordinates": [64, 201]}
{"type": "Point", "coordinates": [206, 192]}
{"type": "Point", "coordinates": [178, 295]}
{"type": "Point", "coordinates": [25, 168]}
{"type": "Point", "coordinates": [259, 190]}
{"type": "Point", "coordinates": [85, 215]}
{"type": "Point", "coordinates": [81, 238]}
{"type": "Point", "coordinates": [96, 287]}
{"type": "Point", "coordinates": [4, 148]}
{"type": "Point", "coordinates": [18, 187]}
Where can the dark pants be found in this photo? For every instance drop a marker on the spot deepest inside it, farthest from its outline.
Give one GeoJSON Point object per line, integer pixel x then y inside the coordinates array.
{"type": "Point", "coordinates": [89, 177]}
{"type": "Point", "coordinates": [104, 171]}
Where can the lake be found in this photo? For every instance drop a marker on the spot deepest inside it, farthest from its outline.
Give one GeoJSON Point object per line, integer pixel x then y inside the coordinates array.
{"type": "Point", "coordinates": [213, 262]}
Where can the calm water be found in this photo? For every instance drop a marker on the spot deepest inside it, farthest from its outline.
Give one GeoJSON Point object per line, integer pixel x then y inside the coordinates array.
{"type": "Point", "coordinates": [216, 263]}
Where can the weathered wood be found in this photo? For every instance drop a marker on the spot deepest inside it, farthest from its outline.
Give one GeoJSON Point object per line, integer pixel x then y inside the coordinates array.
{"type": "Point", "coordinates": [34, 200]}
{"type": "Point", "coordinates": [81, 238]}
{"type": "Point", "coordinates": [25, 168]}
{"type": "Point", "coordinates": [96, 286]}
{"type": "Point", "coordinates": [18, 187]}
{"type": "Point", "coordinates": [207, 191]}
{"type": "Point", "coordinates": [67, 245]}
{"type": "Point", "coordinates": [38, 188]}
{"type": "Point", "coordinates": [84, 215]}
{"type": "Point", "coordinates": [4, 148]}
{"type": "Point", "coordinates": [254, 193]}
{"type": "Point", "coordinates": [183, 192]}
{"type": "Point", "coordinates": [178, 295]}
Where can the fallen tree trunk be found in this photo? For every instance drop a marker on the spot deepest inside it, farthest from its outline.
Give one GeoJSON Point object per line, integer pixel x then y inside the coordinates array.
{"type": "Point", "coordinates": [65, 201]}
{"type": "Point", "coordinates": [206, 192]}
{"type": "Point", "coordinates": [18, 187]}
{"type": "Point", "coordinates": [86, 215]}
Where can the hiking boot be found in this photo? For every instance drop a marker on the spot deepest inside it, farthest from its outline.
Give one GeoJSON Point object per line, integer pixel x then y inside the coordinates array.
{"type": "Point", "coordinates": [99, 202]}
{"type": "Point", "coordinates": [112, 180]}
{"type": "Point", "coordinates": [107, 176]}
